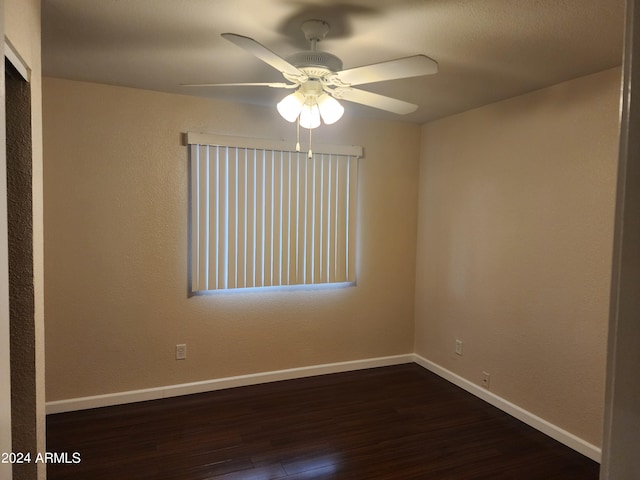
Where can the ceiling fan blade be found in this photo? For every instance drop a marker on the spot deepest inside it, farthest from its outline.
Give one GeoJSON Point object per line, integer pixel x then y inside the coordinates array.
{"type": "Point", "coordinates": [379, 72]}
{"type": "Point", "coordinates": [263, 53]}
{"type": "Point", "coordinates": [374, 100]}
{"type": "Point", "coordinates": [272, 85]}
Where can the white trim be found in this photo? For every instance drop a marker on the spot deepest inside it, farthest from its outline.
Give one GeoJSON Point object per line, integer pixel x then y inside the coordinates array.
{"type": "Point", "coordinates": [540, 424]}
{"type": "Point", "coordinates": [16, 60]}
{"type": "Point", "coordinates": [120, 398]}
{"type": "Point", "coordinates": [194, 138]}
{"type": "Point", "coordinates": [5, 359]}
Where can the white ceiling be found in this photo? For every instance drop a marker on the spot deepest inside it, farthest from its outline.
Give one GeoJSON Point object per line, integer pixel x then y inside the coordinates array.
{"type": "Point", "coordinates": [487, 50]}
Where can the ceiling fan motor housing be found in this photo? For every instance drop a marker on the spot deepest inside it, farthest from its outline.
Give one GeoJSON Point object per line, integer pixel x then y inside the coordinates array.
{"type": "Point", "coordinates": [311, 60]}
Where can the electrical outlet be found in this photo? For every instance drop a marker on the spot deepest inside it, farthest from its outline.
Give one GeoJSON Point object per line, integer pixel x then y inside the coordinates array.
{"type": "Point", "coordinates": [181, 351]}
{"type": "Point", "coordinates": [485, 380]}
{"type": "Point", "coordinates": [459, 347]}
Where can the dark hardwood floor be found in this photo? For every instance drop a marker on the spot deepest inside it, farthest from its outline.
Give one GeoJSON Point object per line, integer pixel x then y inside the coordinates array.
{"type": "Point", "coordinates": [400, 422]}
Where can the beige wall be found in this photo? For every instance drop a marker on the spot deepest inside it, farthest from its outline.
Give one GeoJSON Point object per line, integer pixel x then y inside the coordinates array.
{"type": "Point", "coordinates": [116, 249]}
{"type": "Point", "coordinates": [514, 247]}
{"type": "Point", "coordinates": [22, 29]}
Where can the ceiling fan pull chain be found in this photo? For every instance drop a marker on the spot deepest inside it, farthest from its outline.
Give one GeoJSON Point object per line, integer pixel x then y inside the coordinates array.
{"type": "Point", "coordinates": [298, 135]}
{"type": "Point", "coordinates": [310, 151]}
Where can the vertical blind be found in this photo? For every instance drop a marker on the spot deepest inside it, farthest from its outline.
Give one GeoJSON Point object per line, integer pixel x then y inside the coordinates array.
{"type": "Point", "coordinates": [268, 217]}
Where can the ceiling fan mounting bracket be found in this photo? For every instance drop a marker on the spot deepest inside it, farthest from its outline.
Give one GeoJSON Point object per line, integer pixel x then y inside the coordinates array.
{"type": "Point", "coordinates": [315, 30]}
{"type": "Point", "coordinates": [313, 63]}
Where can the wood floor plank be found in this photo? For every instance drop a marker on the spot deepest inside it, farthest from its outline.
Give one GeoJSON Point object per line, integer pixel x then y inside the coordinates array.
{"type": "Point", "coordinates": [400, 422]}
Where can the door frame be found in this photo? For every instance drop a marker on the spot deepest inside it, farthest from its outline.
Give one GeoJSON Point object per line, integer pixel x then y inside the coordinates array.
{"type": "Point", "coordinates": [620, 460]}
{"type": "Point", "coordinates": [5, 359]}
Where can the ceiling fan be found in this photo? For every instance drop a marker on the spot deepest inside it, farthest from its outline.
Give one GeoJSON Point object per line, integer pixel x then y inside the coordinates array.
{"type": "Point", "coordinates": [319, 81]}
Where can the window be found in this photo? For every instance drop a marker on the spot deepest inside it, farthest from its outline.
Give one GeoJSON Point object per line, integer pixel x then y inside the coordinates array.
{"type": "Point", "coordinates": [262, 215]}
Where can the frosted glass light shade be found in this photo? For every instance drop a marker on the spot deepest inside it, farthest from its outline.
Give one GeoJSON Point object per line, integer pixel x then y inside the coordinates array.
{"type": "Point", "coordinates": [290, 106]}
{"type": "Point", "coordinates": [310, 116]}
{"type": "Point", "coordinates": [330, 109]}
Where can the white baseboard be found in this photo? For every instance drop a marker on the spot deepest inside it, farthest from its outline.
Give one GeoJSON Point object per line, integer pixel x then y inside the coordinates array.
{"type": "Point", "coordinates": [555, 432]}
{"type": "Point", "coordinates": [119, 398]}
{"type": "Point", "coordinates": [570, 440]}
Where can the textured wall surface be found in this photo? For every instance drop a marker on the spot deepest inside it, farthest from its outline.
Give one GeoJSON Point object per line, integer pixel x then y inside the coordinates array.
{"type": "Point", "coordinates": [21, 291]}
{"type": "Point", "coordinates": [116, 249]}
{"type": "Point", "coordinates": [22, 29]}
{"type": "Point", "coordinates": [515, 244]}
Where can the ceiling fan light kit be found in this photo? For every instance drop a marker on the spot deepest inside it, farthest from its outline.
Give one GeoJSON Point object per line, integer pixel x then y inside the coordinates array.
{"type": "Point", "coordinates": [291, 106]}
{"type": "Point", "coordinates": [310, 103]}
{"type": "Point", "coordinates": [330, 109]}
{"type": "Point", "coordinates": [318, 79]}
{"type": "Point", "coordinates": [310, 116]}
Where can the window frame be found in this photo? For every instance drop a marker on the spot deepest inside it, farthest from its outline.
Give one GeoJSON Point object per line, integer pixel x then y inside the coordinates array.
{"type": "Point", "coordinates": [201, 142]}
